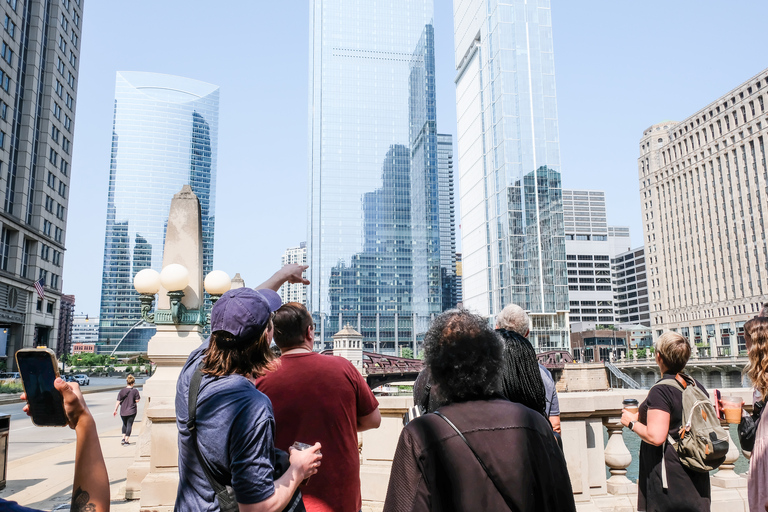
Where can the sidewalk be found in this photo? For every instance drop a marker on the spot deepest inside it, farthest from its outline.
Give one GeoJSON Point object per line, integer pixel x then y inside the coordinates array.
{"type": "Point", "coordinates": [44, 480]}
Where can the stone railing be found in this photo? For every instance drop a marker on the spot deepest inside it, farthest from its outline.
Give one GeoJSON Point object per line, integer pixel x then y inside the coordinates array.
{"type": "Point", "coordinates": [583, 415]}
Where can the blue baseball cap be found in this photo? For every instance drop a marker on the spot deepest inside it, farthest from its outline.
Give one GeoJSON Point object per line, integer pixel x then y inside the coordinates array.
{"type": "Point", "coordinates": [244, 312]}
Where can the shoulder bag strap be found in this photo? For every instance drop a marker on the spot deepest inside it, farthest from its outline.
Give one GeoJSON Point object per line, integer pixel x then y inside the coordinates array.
{"type": "Point", "coordinates": [226, 499]}
{"type": "Point", "coordinates": [482, 464]}
{"type": "Point", "coordinates": [678, 383]}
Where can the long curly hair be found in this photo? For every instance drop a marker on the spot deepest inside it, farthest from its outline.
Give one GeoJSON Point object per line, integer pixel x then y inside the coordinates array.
{"type": "Point", "coordinates": [463, 355]}
{"type": "Point", "coordinates": [757, 330]}
{"type": "Point", "coordinates": [520, 376]}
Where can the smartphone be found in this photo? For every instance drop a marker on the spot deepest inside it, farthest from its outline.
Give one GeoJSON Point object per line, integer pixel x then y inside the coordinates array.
{"type": "Point", "coordinates": [38, 369]}
{"type": "Point", "coordinates": [720, 413]}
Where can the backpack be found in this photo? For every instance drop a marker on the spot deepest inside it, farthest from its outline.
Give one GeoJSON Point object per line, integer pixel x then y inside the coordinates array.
{"type": "Point", "coordinates": [703, 441]}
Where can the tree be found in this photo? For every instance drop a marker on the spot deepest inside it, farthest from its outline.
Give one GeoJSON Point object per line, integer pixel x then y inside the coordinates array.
{"type": "Point", "coordinates": [406, 352]}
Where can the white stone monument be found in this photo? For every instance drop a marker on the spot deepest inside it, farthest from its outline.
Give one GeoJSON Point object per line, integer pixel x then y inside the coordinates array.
{"type": "Point", "coordinates": [348, 343]}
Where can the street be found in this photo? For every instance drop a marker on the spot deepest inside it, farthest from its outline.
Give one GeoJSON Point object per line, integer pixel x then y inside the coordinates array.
{"type": "Point", "coordinates": [27, 439]}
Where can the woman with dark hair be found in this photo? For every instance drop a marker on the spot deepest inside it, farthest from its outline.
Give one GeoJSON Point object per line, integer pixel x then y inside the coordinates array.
{"type": "Point", "coordinates": [520, 377]}
{"type": "Point", "coordinates": [479, 451]}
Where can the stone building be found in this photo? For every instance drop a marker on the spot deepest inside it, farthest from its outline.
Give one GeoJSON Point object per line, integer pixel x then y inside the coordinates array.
{"type": "Point", "coordinates": [38, 89]}
{"type": "Point", "coordinates": [630, 288]}
{"type": "Point", "coordinates": [703, 185]}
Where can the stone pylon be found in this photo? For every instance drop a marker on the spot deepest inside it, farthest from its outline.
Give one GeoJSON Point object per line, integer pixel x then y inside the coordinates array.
{"type": "Point", "coordinates": [154, 477]}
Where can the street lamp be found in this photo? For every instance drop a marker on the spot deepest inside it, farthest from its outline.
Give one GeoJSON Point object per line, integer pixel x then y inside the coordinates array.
{"type": "Point", "coordinates": [175, 278]}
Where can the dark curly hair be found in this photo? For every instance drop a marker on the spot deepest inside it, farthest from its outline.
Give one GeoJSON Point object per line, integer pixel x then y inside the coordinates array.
{"type": "Point", "coordinates": [520, 376]}
{"type": "Point", "coordinates": [463, 355]}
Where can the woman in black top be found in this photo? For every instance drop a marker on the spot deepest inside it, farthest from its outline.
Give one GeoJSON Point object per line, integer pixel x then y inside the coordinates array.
{"type": "Point", "coordinates": [660, 415]}
{"type": "Point", "coordinates": [126, 401]}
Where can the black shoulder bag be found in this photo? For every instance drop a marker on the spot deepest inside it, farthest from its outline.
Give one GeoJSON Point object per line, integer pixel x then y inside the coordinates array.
{"type": "Point", "coordinates": [748, 427]}
{"type": "Point", "coordinates": [482, 464]}
{"type": "Point", "coordinates": [224, 493]}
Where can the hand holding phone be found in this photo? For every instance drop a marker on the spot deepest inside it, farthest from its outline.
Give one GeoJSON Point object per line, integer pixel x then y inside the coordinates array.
{"type": "Point", "coordinates": [719, 405]}
{"type": "Point", "coordinates": [39, 370]}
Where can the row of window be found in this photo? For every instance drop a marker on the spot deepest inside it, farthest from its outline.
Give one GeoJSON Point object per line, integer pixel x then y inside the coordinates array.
{"type": "Point", "coordinates": [6, 241]}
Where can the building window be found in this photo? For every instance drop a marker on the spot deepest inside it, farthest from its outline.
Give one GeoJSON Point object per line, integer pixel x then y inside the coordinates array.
{"type": "Point", "coordinates": [62, 189]}
{"type": "Point", "coordinates": [10, 27]}
{"type": "Point", "coordinates": [63, 22]}
{"type": "Point", "coordinates": [72, 60]}
{"type": "Point", "coordinates": [58, 234]}
{"type": "Point", "coordinates": [64, 167]}
{"type": "Point", "coordinates": [67, 123]}
{"type": "Point", "coordinates": [56, 111]}
{"type": "Point", "coordinates": [65, 145]}
{"type": "Point", "coordinates": [62, 44]}
{"type": "Point", "coordinates": [49, 308]}
{"type": "Point", "coordinates": [5, 248]}
{"type": "Point", "coordinates": [26, 251]}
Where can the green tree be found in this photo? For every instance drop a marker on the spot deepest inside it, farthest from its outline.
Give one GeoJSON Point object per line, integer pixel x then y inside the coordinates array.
{"type": "Point", "coordinates": [406, 352]}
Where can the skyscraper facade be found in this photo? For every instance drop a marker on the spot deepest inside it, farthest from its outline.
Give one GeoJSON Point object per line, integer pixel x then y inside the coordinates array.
{"type": "Point", "coordinates": [704, 206]}
{"type": "Point", "coordinates": [513, 241]}
{"type": "Point", "coordinates": [164, 135]}
{"type": "Point", "coordinates": [630, 288]}
{"type": "Point", "coordinates": [447, 217]}
{"type": "Point", "coordinates": [39, 62]}
{"type": "Point", "coordinates": [374, 246]}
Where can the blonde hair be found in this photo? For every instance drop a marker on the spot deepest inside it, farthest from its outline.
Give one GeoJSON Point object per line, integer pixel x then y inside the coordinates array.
{"type": "Point", "coordinates": [513, 318]}
{"type": "Point", "coordinates": [674, 350]}
{"type": "Point", "coordinates": [757, 370]}
{"type": "Point", "coordinates": [130, 379]}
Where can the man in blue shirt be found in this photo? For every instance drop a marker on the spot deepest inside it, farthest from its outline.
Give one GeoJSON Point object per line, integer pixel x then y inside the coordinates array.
{"type": "Point", "coordinates": [234, 426]}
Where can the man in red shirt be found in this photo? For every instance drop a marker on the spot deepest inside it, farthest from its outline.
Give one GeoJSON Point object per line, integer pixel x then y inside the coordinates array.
{"type": "Point", "coordinates": [319, 398]}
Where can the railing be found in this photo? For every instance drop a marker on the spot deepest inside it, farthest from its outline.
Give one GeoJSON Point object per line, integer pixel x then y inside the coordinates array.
{"type": "Point", "coordinates": [623, 377]}
{"type": "Point", "coordinates": [585, 418]}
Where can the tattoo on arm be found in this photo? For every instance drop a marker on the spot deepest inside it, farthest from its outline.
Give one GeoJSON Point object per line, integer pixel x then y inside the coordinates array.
{"type": "Point", "coordinates": [80, 502]}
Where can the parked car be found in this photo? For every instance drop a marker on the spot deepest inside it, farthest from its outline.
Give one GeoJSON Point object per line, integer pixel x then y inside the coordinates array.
{"type": "Point", "coordinates": [69, 378]}
{"type": "Point", "coordinates": [82, 379]}
{"type": "Point", "coordinates": [10, 376]}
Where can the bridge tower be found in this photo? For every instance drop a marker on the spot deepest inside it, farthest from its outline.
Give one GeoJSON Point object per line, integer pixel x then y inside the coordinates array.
{"type": "Point", "coordinates": [348, 343]}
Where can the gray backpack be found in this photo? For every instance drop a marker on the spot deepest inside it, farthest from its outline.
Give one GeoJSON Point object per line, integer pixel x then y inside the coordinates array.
{"type": "Point", "coordinates": [703, 441]}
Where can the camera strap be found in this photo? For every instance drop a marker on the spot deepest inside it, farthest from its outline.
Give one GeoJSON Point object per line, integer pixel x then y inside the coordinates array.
{"type": "Point", "coordinates": [224, 493]}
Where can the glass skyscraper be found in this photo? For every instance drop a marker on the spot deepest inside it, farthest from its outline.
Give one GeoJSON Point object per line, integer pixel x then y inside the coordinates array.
{"type": "Point", "coordinates": [374, 237]}
{"type": "Point", "coordinates": [447, 221]}
{"type": "Point", "coordinates": [513, 239]}
{"type": "Point", "coordinates": [164, 136]}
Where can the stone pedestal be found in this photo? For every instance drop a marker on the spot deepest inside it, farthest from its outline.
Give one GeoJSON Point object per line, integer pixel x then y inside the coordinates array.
{"type": "Point", "coordinates": [169, 349]}
{"type": "Point", "coordinates": [618, 459]}
{"type": "Point", "coordinates": [726, 476]}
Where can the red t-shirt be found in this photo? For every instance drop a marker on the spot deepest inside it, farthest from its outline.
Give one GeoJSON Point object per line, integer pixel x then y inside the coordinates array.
{"type": "Point", "coordinates": [318, 398]}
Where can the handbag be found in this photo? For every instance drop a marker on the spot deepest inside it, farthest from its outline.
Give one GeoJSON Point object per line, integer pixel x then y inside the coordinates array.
{"type": "Point", "coordinates": [748, 426]}
{"type": "Point", "coordinates": [225, 495]}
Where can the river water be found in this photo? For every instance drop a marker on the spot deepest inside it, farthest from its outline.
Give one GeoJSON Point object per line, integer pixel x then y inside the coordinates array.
{"type": "Point", "coordinates": [633, 444]}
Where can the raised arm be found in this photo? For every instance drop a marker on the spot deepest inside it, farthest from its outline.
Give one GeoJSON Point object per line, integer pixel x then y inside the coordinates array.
{"type": "Point", "coordinates": [290, 273]}
{"type": "Point", "coordinates": [90, 488]}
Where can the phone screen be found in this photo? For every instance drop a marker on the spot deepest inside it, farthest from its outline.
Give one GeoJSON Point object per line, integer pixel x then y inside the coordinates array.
{"type": "Point", "coordinates": [38, 372]}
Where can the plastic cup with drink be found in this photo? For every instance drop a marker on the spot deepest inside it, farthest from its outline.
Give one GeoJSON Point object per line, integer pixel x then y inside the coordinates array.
{"type": "Point", "coordinates": [631, 405]}
{"type": "Point", "coordinates": [732, 408]}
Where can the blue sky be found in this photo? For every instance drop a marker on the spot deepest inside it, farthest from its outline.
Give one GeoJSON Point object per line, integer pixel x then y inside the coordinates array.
{"type": "Point", "coordinates": [620, 67]}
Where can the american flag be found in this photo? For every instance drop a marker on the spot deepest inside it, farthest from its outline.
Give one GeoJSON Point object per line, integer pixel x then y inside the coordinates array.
{"type": "Point", "coordinates": [39, 287]}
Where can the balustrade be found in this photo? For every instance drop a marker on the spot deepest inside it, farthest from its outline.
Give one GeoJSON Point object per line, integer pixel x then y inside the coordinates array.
{"type": "Point", "coordinates": [583, 418]}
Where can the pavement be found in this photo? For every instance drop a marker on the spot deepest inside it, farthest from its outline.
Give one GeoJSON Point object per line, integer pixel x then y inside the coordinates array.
{"type": "Point", "coordinates": [41, 461]}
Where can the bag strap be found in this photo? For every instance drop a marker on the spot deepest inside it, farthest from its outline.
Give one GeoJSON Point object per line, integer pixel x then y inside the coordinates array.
{"type": "Point", "coordinates": [227, 501]}
{"type": "Point", "coordinates": [482, 464]}
{"type": "Point", "coordinates": [678, 383]}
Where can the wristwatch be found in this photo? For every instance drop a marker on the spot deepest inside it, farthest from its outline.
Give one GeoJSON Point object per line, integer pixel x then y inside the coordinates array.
{"type": "Point", "coordinates": [631, 425]}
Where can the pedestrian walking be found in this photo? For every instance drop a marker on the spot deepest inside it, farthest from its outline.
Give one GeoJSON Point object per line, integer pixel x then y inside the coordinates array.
{"type": "Point", "coordinates": [127, 399]}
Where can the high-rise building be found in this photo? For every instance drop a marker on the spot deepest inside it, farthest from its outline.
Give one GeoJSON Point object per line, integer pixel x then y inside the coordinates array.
{"type": "Point", "coordinates": [374, 247]}
{"type": "Point", "coordinates": [295, 292]}
{"type": "Point", "coordinates": [704, 206]}
{"type": "Point", "coordinates": [447, 219]}
{"type": "Point", "coordinates": [38, 88]}
{"type": "Point", "coordinates": [630, 288]}
{"type": "Point", "coordinates": [513, 240]}
{"type": "Point", "coordinates": [85, 329]}
{"type": "Point", "coordinates": [589, 258]}
{"type": "Point", "coordinates": [459, 274]}
{"type": "Point", "coordinates": [66, 317]}
{"type": "Point", "coordinates": [164, 136]}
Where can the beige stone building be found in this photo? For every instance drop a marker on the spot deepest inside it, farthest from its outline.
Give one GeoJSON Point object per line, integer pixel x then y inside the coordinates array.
{"type": "Point", "coordinates": [704, 196]}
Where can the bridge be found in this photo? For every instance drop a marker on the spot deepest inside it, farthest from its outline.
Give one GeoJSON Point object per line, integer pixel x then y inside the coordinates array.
{"type": "Point", "coordinates": [713, 372]}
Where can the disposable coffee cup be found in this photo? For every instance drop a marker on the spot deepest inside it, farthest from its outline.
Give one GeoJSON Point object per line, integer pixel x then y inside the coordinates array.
{"type": "Point", "coordinates": [731, 409]}
{"type": "Point", "coordinates": [631, 404]}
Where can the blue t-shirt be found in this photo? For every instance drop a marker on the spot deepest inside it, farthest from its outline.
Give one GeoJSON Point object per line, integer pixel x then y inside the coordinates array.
{"type": "Point", "coordinates": [553, 404]}
{"type": "Point", "coordinates": [235, 432]}
{"type": "Point", "coordinates": [12, 506]}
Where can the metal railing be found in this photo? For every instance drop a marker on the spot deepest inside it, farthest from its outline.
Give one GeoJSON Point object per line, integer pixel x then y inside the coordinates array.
{"type": "Point", "coordinates": [628, 381]}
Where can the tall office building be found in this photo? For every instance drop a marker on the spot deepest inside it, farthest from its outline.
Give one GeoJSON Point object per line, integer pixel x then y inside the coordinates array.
{"type": "Point", "coordinates": [164, 136]}
{"type": "Point", "coordinates": [374, 247]}
{"type": "Point", "coordinates": [66, 318]}
{"type": "Point", "coordinates": [39, 62]}
{"type": "Point", "coordinates": [295, 292]}
{"type": "Point", "coordinates": [630, 288]}
{"type": "Point", "coordinates": [704, 206]}
{"type": "Point", "coordinates": [588, 255]}
{"type": "Point", "coordinates": [447, 216]}
{"type": "Point", "coordinates": [513, 240]}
